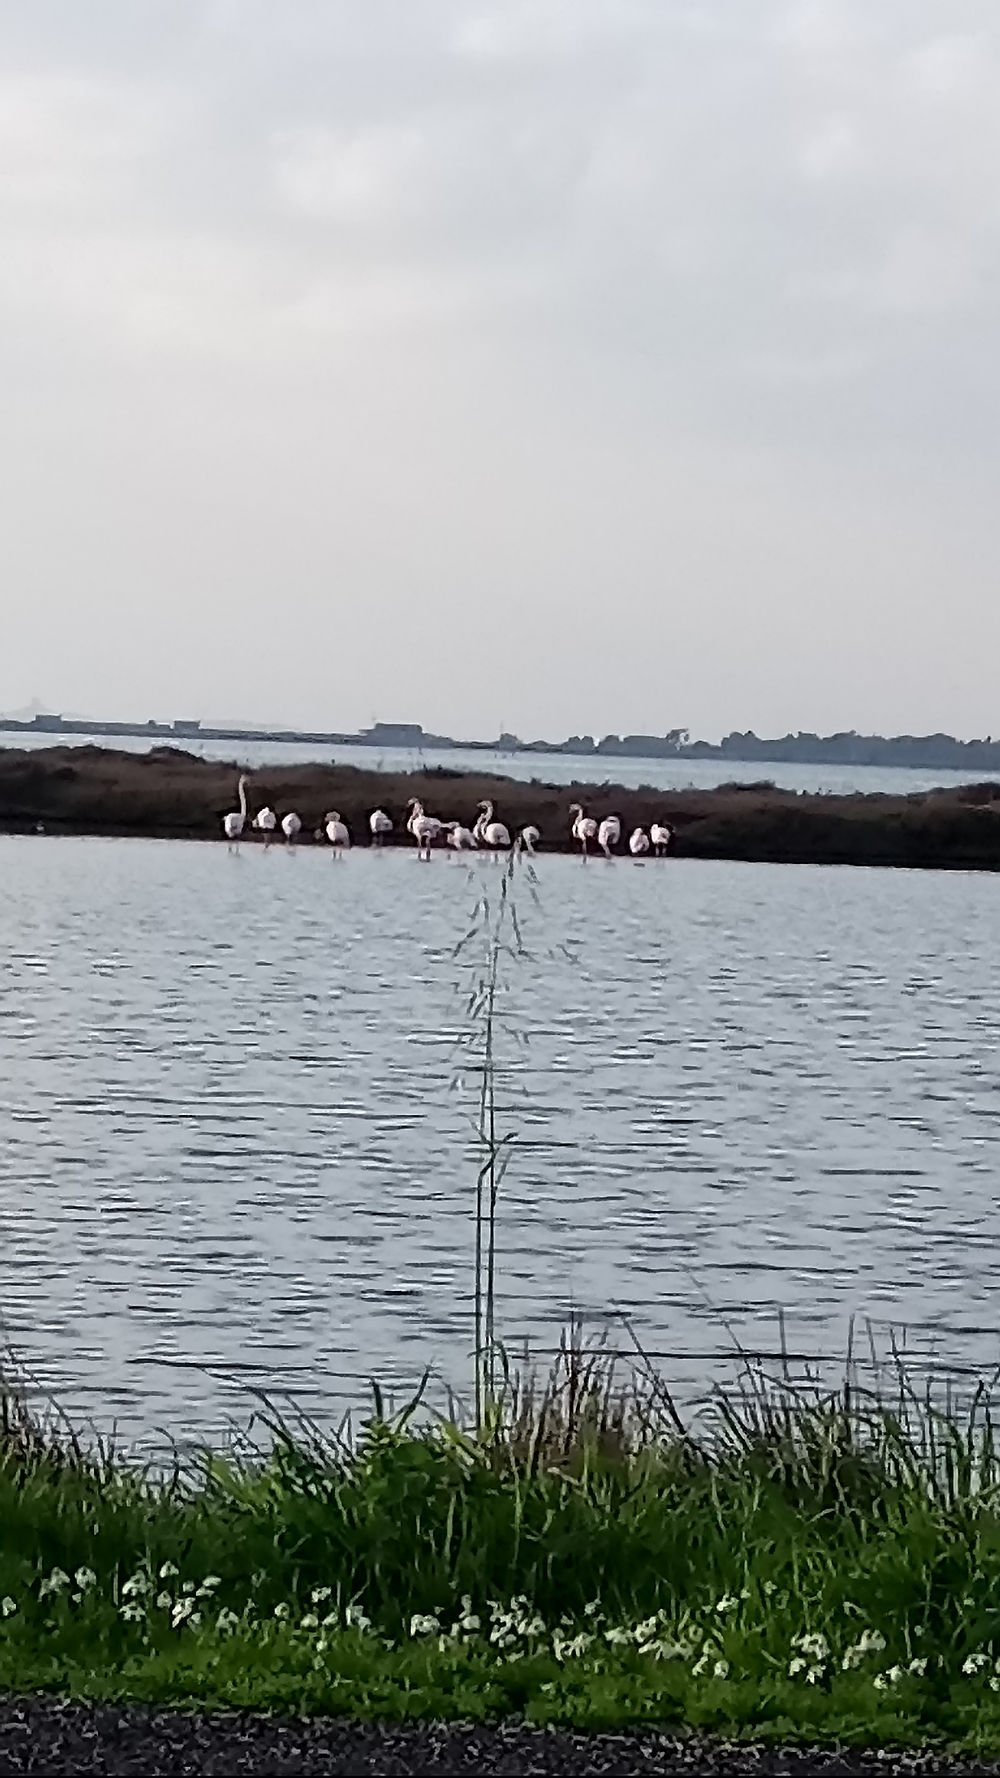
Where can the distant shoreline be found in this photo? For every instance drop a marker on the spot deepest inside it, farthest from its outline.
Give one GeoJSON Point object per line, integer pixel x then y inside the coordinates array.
{"type": "Point", "coordinates": [171, 794]}
{"type": "Point", "coordinates": [916, 752]}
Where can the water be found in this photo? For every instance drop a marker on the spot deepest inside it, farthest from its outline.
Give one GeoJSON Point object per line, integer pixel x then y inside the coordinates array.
{"type": "Point", "coordinates": [235, 1157]}
{"type": "Point", "coordinates": [550, 768]}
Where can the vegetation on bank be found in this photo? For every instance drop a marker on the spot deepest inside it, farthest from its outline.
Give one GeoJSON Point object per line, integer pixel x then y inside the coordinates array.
{"type": "Point", "coordinates": [168, 793]}
{"type": "Point", "coordinates": [807, 1568]}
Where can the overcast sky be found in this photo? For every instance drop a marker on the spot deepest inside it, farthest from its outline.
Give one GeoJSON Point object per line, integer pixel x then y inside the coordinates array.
{"type": "Point", "coordinates": [561, 364]}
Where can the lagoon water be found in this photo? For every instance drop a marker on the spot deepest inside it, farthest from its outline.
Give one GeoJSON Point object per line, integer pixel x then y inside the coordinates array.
{"type": "Point", "coordinates": [238, 1143]}
{"type": "Point", "coordinates": [549, 768]}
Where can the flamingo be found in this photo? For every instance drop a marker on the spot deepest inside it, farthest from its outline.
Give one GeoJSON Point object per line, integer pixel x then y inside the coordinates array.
{"type": "Point", "coordinates": [380, 825]}
{"type": "Point", "coordinates": [638, 842]}
{"type": "Point", "coordinates": [291, 827]}
{"type": "Point", "coordinates": [265, 821]}
{"type": "Point", "coordinates": [661, 835]}
{"type": "Point", "coordinates": [462, 839]}
{"type": "Point", "coordinates": [424, 828]}
{"type": "Point", "coordinates": [528, 839]}
{"type": "Point", "coordinates": [489, 832]}
{"type": "Point", "coordinates": [609, 833]}
{"type": "Point", "coordinates": [584, 827]}
{"type": "Point", "coordinates": [337, 832]}
{"type": "Point", "coordinates": [233, 825]}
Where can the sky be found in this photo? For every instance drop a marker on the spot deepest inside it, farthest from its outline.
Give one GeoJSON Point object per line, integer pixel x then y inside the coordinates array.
{"type": "Point", "coordinates": [554, 365]}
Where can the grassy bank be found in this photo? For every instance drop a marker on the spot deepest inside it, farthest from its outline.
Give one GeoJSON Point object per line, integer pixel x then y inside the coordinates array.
{"type": "Point", "coordinates": [170, 794]}
{"type": "Point", "coordinates": [809, 1569]}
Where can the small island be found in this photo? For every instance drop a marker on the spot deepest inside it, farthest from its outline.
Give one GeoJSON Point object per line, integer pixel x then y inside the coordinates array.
{"type": "Point", "coordinates": [171, 794]}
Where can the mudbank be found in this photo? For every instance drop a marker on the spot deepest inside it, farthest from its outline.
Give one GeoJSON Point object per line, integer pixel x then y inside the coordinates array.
{"type": "Point", "coordinates": [169, 794]}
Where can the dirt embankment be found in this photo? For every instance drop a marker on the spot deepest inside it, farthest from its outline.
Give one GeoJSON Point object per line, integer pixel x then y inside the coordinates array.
{"type": "Point", "coordinates": [171, 794]}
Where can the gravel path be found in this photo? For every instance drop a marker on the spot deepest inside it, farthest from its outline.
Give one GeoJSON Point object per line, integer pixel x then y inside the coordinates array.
{"type": "Point", "coordinates": [42, 1735]}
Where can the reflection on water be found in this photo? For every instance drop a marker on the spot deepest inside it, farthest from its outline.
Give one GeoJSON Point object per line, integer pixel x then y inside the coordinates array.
{"type": "Point", "coordinates": [233, 1138]}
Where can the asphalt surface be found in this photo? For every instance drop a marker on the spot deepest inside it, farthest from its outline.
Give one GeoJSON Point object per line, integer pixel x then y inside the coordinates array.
{"type": "Point", "coordinates": [44, 1736]}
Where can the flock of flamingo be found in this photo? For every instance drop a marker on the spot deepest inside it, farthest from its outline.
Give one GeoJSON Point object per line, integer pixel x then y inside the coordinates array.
{"type": "Point", "coordinates": [428, 831]}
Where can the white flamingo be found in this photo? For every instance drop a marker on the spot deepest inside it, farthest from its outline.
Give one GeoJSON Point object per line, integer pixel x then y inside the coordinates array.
{"type": "Point", "coordinates": [528, 839]}
{"type": "Point", "coordinates": [291, 827]}
{"type": "Point", "coordinates": [461, 839]}
{"type": "Point", "coordinates": [233, 825]}
{"type": "Point", "coordinates": [609, 833]}
{"type": "Point", "coordinates": [661, 835]}
{"type": "Point", "coordinates": [336, 832]}
{"type": "Point", "coordinates": [380, 825]}
{"type": "Point", "coordinates": [584, 827]}
{"type": "Point", "coordinates": [424, 828]}
{"type": "Point", "coordinates": [489, 832]}
{"type": "Point", "coordinates": [638, 842]}
{"type": "Point", "coordinates": [265, 821]}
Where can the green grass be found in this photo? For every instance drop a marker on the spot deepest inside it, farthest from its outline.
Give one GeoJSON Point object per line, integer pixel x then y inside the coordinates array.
{"type": "Point", "coordinates": [817, 1569]}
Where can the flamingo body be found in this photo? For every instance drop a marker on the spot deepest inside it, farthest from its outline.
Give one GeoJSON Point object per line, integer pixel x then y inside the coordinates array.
{"type": "Point", "coordinates": [379, 824]}
{"type": "Point", "coordinates": [661, 835]}
{"type": "Point", "coordinates": [489, 832]}
{"type": "Point", "coordinates": [291, 826]}
{"type": "Point", "coordinates": [584, 827]}
{"type": "Point", "coordinates": [337, 831]}
{"type": "Point", "coordinates": [638, 842]}
{"type": "Point", "coordinates": [461, 838]}
{"type": "Point", "coordinates": [424, 828]}
{"type": "Point", "coordinates": [528, 839]}
{"type": "Point", "coordinates": [609, 833]}
{"type": "Point", "coordinates": [234, 823]}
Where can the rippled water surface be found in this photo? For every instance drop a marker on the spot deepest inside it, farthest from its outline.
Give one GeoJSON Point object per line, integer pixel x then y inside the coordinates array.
{"type": "Point", "coordinates": [236, 1149]}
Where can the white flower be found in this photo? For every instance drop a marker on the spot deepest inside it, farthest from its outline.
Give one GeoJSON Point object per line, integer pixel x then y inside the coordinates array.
{"type": "Point", "coordinates": [975, 1663]}
{"type": "Point", "coordinates": [8, 1605]}
{"type": "Point", "coordinates": [617, 1636]}
{"type": "Point", "coordinates": [227, 1621]}
{"type": "Point", "coordinates": [354, 1617]}
{"type": "Point", "coordinates": [872, 1642]}
{"type": "Point", "coordinates": [137, 1583]}
{"type": "Point", "coordinates": [320, 1594]}
{"type": "Point", "coordinates": [880, 1682]}
{"type": "Point", "coordinates": [812, 1644]}
{"type": "Point", "coordinates": [85, 1577]}
{"type": "Point", "coordinates": [994, 1683]}
{"type": "Point", "coordinates": [721, 1670]}
{"type": "Point", "coordinates": [424, 1624]}
{"type": "Point", "coordinates": [132, 1611]}
{"type": "Point", "coordinates": [727, 1603]}
{"type": "Point", "coordinates": [797, 1665]}
{"type": "Point", "coordinates": [310, 1621]}
{"type": "Point", "coordinates": [894, 1675]}
{"type": "Point", "coordinates": [209, 1584]}
{"type": "Point", "coordinates": [164, 1601]}
{"type": "Point", "coordinates": [182, 1609]}
{"type": "Point", "coordinates": [168, 1571]}
{"type": "Point", "coordinates": [814, 1675]}
{"type": "Point", "coordinates": [918, 1666]}
{"type": "Point", "coordinates": [57, 1580]}
{"type": "Point", "coordinates": [281, 1612]}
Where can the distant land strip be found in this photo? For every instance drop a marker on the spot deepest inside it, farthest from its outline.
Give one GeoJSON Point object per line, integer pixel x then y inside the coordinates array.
{"type": "Point", "coordinates": [168, 793]}
{"type": "Point", "coordinates": [922, 752]}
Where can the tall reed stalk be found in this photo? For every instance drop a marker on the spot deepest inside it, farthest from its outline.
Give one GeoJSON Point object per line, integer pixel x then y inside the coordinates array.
{"type": "Point", "coordinates": [494, 936]}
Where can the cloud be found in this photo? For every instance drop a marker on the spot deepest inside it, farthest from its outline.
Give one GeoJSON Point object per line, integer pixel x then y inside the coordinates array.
{"type": "Point", "coordinates": [457, 245]}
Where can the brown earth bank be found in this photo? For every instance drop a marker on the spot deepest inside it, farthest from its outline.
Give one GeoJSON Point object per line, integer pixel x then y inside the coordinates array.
{"type": "Point", "coordinates": [170, 794]}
